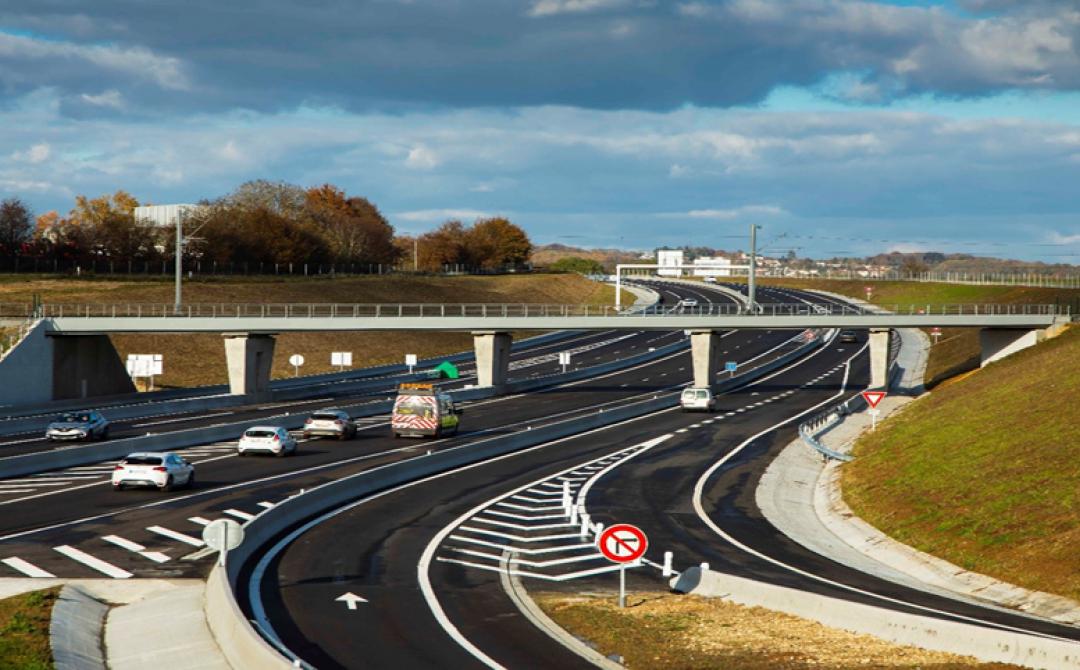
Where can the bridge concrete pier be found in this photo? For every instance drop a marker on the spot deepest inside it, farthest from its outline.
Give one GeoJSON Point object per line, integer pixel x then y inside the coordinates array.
{"type": "Point", "coordinates": [492, 349]}
{"type": "Point", "coordinates": [249, 357]}
{"type": "Point", "coordinates": [880, 340]}
{"type": "Point", "coordinates": [704, 350]}
{"type": "Point", "coordinates": [997, 343]}
{"type": "Point", "coordinates": [84, 366]}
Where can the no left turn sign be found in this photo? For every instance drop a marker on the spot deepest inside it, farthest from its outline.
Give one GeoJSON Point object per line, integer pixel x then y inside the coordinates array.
{"type": "Point", "coordinates": [623, 543]}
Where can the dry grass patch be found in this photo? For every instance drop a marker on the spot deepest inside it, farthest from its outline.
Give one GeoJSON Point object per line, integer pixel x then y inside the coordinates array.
{"type": "Point", "coordinates": [24, 630]}
{"type": "Point", "coordinates": [664, 630]}
{"type": "Point", "coordinates": [985, 471]}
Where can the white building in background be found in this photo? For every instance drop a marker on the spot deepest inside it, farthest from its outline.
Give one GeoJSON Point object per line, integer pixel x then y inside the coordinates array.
{"type": "Point", "coordinates": [669, 261]}
{"type": "Point", "coordinates": [163, 215]}
{"type": "Point", "coordinates": [712, 267]}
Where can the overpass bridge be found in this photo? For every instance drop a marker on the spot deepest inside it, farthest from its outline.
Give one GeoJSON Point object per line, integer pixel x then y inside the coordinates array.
{"type": "Point", "coordinates": [249, 329]}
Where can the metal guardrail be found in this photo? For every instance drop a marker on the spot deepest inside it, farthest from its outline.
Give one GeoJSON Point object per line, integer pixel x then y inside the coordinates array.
{"type": "Point", "coordinates": [482, 310]}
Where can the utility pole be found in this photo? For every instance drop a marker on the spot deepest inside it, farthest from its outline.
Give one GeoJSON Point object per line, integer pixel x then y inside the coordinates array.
{"type": "Point", "coordinates": [179, 255]}
{"type": "Point", "coordinates": [415, 254]}
{"type": "Point", "coordinates": [753, 268]}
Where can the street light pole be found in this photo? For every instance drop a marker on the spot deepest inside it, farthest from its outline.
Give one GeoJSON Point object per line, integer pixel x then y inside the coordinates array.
{"type": "Point", "coordinates": [415, 250]}
{"type": "Point", "coordinates": [751, 285]}
{"type": "Point", "coordinates": [179, 255]}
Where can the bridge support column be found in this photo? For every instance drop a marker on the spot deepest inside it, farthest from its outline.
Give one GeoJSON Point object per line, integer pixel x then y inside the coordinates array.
{"type": "Point", "coordinates": [249, 358]}
{"type": "Point", "coordinates": [997, 343]}
{"type": "Point", "coordinates": [704, 345]}
{"type": "Point", "coordinates": [84, 366]}
{"type": "Point", "coordinates": [492, 357]}
{"type": "Point", "coordinates": [880, 340]}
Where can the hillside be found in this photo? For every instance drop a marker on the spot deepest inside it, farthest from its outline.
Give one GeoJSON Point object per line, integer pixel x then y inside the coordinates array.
{"type": "Point", "coordinates": [192, 360]}
{"type": "Point", "coordinates": [985, 471]}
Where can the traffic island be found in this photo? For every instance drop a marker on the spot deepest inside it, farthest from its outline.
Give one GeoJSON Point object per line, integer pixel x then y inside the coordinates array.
{"type": "Point", "coordinates": [665, 630]}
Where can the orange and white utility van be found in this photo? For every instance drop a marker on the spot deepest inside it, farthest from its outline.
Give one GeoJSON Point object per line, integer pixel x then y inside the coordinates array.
{"type": "Point", "coordinates": [422, 410]}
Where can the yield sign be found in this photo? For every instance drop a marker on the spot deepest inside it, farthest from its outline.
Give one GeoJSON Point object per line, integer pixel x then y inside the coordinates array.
{"type": "Point", "coordinates": [872, 398]}
{"type": "Point", "coordinates": [623, 543]}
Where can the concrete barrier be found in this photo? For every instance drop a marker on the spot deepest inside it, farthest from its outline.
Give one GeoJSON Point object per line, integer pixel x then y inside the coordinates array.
{"type": "Point", "coordinates": [986, 644]}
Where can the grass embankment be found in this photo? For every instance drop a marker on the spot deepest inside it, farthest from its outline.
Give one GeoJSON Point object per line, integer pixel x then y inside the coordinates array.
{"type": "Point", "coordinates": [957, 350]}
{"type": "Point", "coordinates": [985, 471]}
{"type": "Point", "coordinates": [662, 630]}
{"type": "Point", "coordinates": [24, 630]}
{"type": "Point", "coordinates": [193, 360]}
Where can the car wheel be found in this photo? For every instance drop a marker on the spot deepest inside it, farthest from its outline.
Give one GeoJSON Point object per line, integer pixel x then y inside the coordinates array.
{"type": "Point", "coordinates": [241, 452]}
{"type": "Point", "coordinates": [191, 481]}
{"type": "Point", "coordinates": [343, 435]}
{"type": "Point", "coordinates": [282, 454]}
{"type": "Point", "coordinates": [168, 486]}
{"type": "Point", "coordinates": [117, 487]}
{"type": "Point", "coordinates": [105, 433]}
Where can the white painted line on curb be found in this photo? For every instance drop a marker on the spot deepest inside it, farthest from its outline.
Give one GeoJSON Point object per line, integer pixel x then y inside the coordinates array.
{"type": "Point", "coordinates": [89, 561]}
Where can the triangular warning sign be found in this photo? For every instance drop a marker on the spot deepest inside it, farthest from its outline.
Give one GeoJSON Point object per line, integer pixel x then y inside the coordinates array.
{"type": "Point", "coordinates": [872, 398]}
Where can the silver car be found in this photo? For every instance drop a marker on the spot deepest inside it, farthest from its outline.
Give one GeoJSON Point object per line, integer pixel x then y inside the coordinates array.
{"type": "Point", "coordinates": [330, 423]}
{"type": "Point", "coordinates": [83, 425]}
{"type": "Point", "coordinates": [162, 470]}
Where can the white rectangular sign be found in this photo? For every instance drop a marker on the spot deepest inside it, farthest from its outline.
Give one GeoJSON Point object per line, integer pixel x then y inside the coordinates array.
{"type": "Point", "coordinates": [564, 358]}
{"type": "Point", "coordinates": [410, 360]}
{"type": "Point", "coordinates": [341, 358]}
{"type": "Point", "coordinates": [145, 365]}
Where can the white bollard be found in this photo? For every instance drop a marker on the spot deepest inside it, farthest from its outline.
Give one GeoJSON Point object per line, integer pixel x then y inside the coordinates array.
{"type": "Point", "coordinates": [704, 567]}
{"type": "Point", "coordinates": [584, 524]}
{"type": "Point", "coordinates": [668, 556]}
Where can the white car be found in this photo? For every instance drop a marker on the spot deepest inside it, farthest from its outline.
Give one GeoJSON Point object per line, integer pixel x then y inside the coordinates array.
{"type": "Point", "coordinates": [163, 470]}
{"type": "Point", "coordinates": [270, 439]}
{"type": "Point", "coordinates": [697, 399]}
{"type": "Point", "coordinates": [688, 302]}
{"type": "Point", "coordinates": [330, 423]}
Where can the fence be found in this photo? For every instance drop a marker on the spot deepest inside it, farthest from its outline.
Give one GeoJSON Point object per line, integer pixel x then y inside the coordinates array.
{"type": "Point", "coordinates": [1032, 279]}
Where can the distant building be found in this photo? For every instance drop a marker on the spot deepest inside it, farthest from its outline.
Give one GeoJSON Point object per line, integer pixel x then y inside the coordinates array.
{"type": "Point", "coordinates": [712, 267]}
{"type": "Point", "coordinates": [163, 215]}
{"type": "Point", "coordinates": [669, 261]}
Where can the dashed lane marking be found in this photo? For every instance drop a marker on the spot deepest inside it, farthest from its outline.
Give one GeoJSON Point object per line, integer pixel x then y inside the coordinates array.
{"type": "Point", "coordinates": [155, 556]}
{"type": "Point", "coordinates": [199, 520]}
{"type": "Point", "coordinates": [25, 567]}
{"type": "Point", "coordinates": [93, 562]}
{"type": "Point", "coordinates": [239, 514]}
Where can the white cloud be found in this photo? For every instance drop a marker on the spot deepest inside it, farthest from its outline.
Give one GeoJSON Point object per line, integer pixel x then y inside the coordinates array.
{"type": "Point", "coordinates": [428, 215]}
{"type": "Point", "coordinates": [552, 7]}
{"type": "Point", "coordinates": [421, 158]}
{"type": "Point", "coordinates": [231, 152]}
{"type": "Point", "coordinates": [111, 98]}
{"type": "Point", "coordinates": [728, 214]}
{"type": "Point", "coordinates": [39, 153]}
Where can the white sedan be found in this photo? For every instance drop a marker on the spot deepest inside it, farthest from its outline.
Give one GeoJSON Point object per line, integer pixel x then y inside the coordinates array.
{"type": "Point", "coordinates": [163, 470]}
{"type": "Point", "coordinates": [270, 439]}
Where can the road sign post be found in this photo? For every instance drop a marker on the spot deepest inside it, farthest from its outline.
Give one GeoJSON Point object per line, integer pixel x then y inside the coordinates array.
{"type": "Point", "coordinates": [731, 367]}
{"type": "Point", "coordinates": [869, 292]}
{"type": "Point", "coordinates": [146, 366]}
{"type": "Point", "coordinates": [223, 535]}
{"type": "Point", "coordinates": [341, 359]}
{"type": "Point", "coordinates": [935, 332]}
{"type": "Point", "coordinates": [296, 360]}
{"type": "Point", "coordinates": [623, 544]}
{"type": "Point", "coordinates": [872, 399]}
{"type": "Point", "coordinates": [564, 360]}
{"type": "Point", "coordinates": [410, 360]}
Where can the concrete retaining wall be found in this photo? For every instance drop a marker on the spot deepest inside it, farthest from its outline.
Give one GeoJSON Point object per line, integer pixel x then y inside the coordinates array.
{"type": "Point", "coordinates": [986, 644]}
{"type": "Point", "coordinates": [26, 372]}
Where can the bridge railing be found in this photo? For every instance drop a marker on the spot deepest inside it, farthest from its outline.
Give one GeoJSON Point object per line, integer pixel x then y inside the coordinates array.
{"type": "Point", "coordinates": [482, 310]}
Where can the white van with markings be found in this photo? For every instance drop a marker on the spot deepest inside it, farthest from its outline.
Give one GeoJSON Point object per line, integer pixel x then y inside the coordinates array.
{"type": "Point", "coordinates": [697, 399]}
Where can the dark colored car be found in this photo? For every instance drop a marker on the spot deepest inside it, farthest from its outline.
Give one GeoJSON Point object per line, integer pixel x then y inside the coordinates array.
{"type": "Point", "coordinates": [848, 336]}
{"type": "Point", "coordinates": [84, 425]}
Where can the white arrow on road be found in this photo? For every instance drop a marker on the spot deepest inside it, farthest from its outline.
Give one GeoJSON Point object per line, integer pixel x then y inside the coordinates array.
{"type": "Point", "coordinates": [350, 599]}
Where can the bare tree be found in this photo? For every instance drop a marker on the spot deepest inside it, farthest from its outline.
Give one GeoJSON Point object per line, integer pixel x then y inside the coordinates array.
{"type": "Point", "coordinates": [16, 226]}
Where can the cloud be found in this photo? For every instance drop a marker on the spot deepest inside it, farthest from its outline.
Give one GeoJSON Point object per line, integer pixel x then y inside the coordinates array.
{"type": "Point", "coordinates": [421, 158]}
{"type": "Point", "coordinates": [111, 98]}
{"type": "Point", "coordinates": [429, 215]}
{"type": "Point", "coordinates": [553, 7]}
{"type": "Point", "coordinates": [727, 214]}
{"type": "Point", "coordinates": [39, 153]}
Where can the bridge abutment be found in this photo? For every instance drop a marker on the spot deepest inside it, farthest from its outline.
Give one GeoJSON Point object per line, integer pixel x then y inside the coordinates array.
{"type": "Point", "coordinates": [84, 366]}
{"type": "Point", "coordinates": [250, 358]}
{"type": "Point", "coordinates": [880, 340]}
{"type": "Point", "coordinates": [704, 349]}
{"type": "Point", "coordinates": [492, 357]}
{"type": "Point", "coordinates": [997, 343]}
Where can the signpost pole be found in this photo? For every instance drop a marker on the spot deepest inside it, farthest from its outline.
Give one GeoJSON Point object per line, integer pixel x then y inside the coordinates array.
{"type": "Point", "coordinates": [622, 585]}
{"type": "Point", "coordinates": [224, 546]}
{"type": "Point", "coordinates": [179, 256]}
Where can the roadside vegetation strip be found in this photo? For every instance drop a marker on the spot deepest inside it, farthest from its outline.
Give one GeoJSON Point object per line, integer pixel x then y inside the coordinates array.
{"type": "Point", "coordinates": [985, 472]}
{"type": "Point", "coordinates": [24, 630]}
{"type": "Point", "coordinates": [198, 360]}
{"type": "Point", "coordinates": [663, 630]}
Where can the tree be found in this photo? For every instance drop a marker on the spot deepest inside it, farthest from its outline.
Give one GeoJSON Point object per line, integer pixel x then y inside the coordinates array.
{"type": "Point", "coordinates": [354, 229]}
{"type": "Point", "coordinates": [495, 243]}
{"type": "Point", "coordinates": [911, 265]}
{"type": "Point", "coordinates": [106, 226]}
{"type": "Point", "coordinates": [585, 266]}
{"type": "Point", "coordinates": [229, 234]}
{"type": "Point", "coordinates": [16, 225]}
{"type": "Point", "coordinates": [278, 197]}
{"type": "Point", "coordinates": [446, 245]}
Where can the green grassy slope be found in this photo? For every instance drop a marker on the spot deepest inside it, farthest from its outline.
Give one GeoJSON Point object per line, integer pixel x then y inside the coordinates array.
{"type": "Point", "coordinates": [985, 472]}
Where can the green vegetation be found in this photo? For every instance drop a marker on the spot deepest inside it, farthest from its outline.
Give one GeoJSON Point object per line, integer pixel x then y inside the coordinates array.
{"type": "Point", "coordinates": [985, 471]}
{"type": "Point", "coordinates": [24, 630]}
{"type": "Point", "coordinates": [585, 266]}
{"type": "Point", "coordinates": [192, 360]}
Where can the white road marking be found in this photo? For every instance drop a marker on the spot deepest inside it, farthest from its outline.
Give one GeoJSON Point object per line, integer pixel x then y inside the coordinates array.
{"type": "Point", "coordinates": [27, 568]}
{"type": "Point", "coordinates": [267, 505]}
{"type": "Point", "coordinates": [199, 520]}
{"type": "Point", "coordinates": [183, 418]}
{"type": "Point", "coordinates": [240, 515]}
{"type": "Point", "coordinates": [93, 562]}
{"type": "Point", "coordinates": [155, 556]}
{"type": "Point", "coordinates": [180, 537]}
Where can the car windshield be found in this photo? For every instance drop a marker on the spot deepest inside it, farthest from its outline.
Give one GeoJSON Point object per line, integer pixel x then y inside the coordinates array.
{"type": "Point", "coordinates": [702, 395]}
{"type": "Point", "coordinates": [322, 416]}
{"type": "Point", "coordinates": [142, 460]}
{"type": "Point", "coordinates": [259, 433]}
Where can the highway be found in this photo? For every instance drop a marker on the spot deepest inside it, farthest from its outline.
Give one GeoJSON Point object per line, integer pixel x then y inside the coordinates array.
{"type": "Point", "coordinates": [77, 508]}
{"type": "Point", "coordinates": [430, 556]}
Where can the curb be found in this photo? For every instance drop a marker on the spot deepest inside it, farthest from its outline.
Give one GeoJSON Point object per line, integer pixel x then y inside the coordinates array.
{"type": "Point", "coordinates": [77, 629]}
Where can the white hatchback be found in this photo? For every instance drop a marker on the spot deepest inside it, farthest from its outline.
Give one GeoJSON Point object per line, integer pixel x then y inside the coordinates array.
{"type": "Point", "coordinates": [270, 439]}
{"type": "Point", "coordinates": [161, 469]}
{"type": "Point", "coordinates": [697, 399]}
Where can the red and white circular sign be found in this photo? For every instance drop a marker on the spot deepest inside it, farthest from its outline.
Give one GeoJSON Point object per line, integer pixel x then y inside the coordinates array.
{"type": "Point", "coordinates": [623, 543]}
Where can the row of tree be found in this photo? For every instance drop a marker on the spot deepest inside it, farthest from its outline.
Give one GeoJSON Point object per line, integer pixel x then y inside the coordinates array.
{"type": "Point", "coordinates": [261, 222]}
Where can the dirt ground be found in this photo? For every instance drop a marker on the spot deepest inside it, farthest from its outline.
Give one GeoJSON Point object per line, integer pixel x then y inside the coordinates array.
{"type": "Point", "coordinates": [671, 631]}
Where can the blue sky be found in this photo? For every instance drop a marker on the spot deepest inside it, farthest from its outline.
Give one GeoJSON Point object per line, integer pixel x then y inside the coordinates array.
{"type": "Point", "coordinates": [841, 126]}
